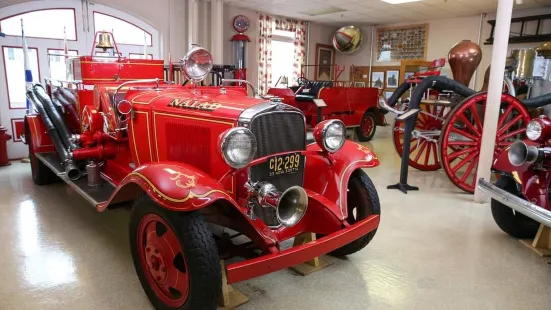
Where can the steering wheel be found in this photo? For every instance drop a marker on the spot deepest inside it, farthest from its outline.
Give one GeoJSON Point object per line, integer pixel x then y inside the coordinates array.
{"type": "Point", "coordinates": [302, 81]}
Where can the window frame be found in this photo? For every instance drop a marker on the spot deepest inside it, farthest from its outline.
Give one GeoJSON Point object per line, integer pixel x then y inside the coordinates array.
{"type": "Point", "coordinates": [124, 20]}
{"type": "Point", "coordinates": [46, 9]}
{"type": "Point", "coordinates": [6, 72]}
{"type": "Point", "coordinates": [141, 54]}
{"type": "Point", "coordinates": [57, 49]}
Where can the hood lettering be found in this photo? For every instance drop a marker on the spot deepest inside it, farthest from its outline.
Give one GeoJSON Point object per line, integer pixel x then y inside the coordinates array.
{"type": "Point", "coordinates": [194, 104]}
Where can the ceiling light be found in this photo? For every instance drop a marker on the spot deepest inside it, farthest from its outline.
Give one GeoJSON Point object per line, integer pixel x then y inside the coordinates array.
{"type": "Point", "coordinates": [399, 1]}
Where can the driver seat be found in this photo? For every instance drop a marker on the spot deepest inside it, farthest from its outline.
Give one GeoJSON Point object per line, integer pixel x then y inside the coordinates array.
{"type": "Point", "coordinates": [311, 90]}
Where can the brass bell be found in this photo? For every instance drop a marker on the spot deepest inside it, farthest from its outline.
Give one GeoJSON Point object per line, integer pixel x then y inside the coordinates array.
{"type": "Point", "coordinates": [284, 80]}
{"type": "Point", "coordinates": [105, 41]}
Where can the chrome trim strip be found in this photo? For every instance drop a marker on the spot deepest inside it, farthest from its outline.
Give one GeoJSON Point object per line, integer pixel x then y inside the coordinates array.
{"type": "Point", "coordinates": [518, 204]}
{"type": "Point", "coordinates": [247, 115]}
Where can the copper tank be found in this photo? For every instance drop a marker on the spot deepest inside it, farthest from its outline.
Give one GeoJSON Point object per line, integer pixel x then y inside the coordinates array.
{"type": "Point", "coordinates": [464, 58]}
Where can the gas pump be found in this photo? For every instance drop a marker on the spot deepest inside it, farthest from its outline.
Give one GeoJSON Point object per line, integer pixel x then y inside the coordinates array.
{"type": "Point", "coordinates": [240, 43]}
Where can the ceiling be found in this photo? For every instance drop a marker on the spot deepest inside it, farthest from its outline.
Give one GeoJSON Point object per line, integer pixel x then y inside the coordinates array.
{"type": "Point", "coordinates": [376, 12]}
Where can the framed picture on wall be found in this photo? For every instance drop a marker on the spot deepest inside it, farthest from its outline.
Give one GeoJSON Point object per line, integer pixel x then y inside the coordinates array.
{"type": "Point", "coordinates": [325, 60]}
{"type": "Point", "coordinates": [392, 78]}
{"type": "Point", "coordinates": [408, 74]}
{"type": "Point", "coordinates": [388, 94]}
{"type": "Point", "coordinates": [378, 80]}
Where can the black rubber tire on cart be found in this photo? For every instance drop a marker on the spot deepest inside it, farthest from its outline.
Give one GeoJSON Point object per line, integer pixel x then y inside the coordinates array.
{"type": "Point", "coordinates": [363, 201]}
{"type": "Point", "coordinates": [153, 232]}
{"type": "Point", "coordinates": [514, 223]}
{"type": "Point", "coordinates": [369, 124]}
{"type": "Point", "coordinates": [41, 174]}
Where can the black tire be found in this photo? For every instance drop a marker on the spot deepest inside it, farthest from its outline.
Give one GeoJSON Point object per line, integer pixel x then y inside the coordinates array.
{"type": "Point", "coordinates": [363, 198]}
{"type": "Point", "coordinates": [514, 223]}
{"type": "Point", "coordinates": [200, 254]}
{"type": "Point", "coordinates": [364, 137]}
{"type": "Point", "coordinates": [41, 174]}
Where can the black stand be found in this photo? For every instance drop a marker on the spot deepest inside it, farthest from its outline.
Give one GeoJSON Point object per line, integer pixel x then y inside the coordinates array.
{"type": "Point", "coordinates": [320, 104]}
{"type": "Point", "coordinates": [410, 117]}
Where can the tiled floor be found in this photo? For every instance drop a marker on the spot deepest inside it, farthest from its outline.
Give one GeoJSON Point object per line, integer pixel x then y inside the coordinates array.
{"type": "Point", "coordinates": [435, 249]}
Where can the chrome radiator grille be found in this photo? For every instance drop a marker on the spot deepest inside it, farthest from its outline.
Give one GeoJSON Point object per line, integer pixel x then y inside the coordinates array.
{"type": "Point", "coordinates": [276, 132]}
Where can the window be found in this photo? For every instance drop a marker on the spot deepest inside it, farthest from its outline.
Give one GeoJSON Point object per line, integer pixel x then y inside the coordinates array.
{"type": "Point", "coordinates": [139, 56]}
{"type": "Point", "coordinates": [49, 24]}
{"type": "Point", "coordinates": [283, 53]}
{"type": "Point", "coordinates": [15, 74]}
{"type": "Point", "coordinates": [123, 31]}
{"type": "Point", "coordinates": [58, 65]}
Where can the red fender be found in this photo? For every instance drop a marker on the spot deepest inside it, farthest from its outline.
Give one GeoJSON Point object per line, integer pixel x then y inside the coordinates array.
{"type": "Point", "coordinates": [37, 131]}
{"type": "Point", "coordinates": [180, 187]}
{"type": "Point", "coordinates": [331, 179]}
{"type": "Point", "coordinates": [535, 187]}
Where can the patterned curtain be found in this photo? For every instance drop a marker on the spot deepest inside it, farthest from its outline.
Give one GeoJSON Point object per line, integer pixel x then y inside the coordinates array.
{"type": "Point", "coordinates": [300, 49]}
{"type": "Point", "coordinates": [299, 28]}
{"type": "Point", "coordinates": [265, 25]}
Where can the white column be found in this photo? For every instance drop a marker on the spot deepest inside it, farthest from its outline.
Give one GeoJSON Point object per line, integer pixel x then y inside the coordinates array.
{"type": "Point", "coordinates": [193, 22]}
{"type": "Point", "coordinates": [204, 31]}
{"type": "Point", "coordinates": [499, 53]}
{"type": "Point", "coordinates": [217, 31]}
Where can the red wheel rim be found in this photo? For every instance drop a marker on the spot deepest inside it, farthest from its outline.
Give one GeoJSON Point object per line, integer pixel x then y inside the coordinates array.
{"type": "Point", "coordinates": [461, 138]}
{"type": "Point", "coordinates": [162, 260]}
{"type": "Point", "coordinates": [423, 153]}
{"type": "Point", "coordinates": [367, 126]}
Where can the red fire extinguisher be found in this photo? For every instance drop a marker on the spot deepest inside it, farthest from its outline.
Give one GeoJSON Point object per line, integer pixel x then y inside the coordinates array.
{"type": "Point", "coordinates": [4, 138]}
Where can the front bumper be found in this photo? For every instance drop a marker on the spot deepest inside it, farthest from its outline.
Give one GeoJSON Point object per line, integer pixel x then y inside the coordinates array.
{"type": "Point", "coordinates": [518, 204]}
{"type": "Point", "coordinates": [272, 262]}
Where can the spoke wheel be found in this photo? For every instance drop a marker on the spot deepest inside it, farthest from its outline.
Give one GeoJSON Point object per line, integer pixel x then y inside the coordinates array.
{"type": "Point", "coordinates": [423, 153]}
{"type": "Point", "coordinates": [163, 259]}
{"type": "Point", "coordinates": [367, 128]}
{"type": "Point", "coordinates": [462, 136]}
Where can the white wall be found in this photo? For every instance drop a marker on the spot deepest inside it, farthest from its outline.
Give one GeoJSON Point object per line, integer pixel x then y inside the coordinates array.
{"type": "Point", "coordinates": [318, 34]}
{"type": "Point", "coordinates": [443, 34]}
{"type": "Point", "coordinates": [174, 29]}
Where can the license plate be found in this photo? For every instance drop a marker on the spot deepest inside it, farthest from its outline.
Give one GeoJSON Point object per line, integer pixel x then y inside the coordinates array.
{"type": "Point", "coordinates": [284, 164]}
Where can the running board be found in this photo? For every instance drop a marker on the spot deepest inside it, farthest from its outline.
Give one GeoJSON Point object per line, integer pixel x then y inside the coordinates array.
{"type": "Point", "coordinates": [94, 195]}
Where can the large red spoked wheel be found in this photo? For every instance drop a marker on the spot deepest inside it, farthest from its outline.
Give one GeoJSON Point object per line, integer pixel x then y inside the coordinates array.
{"type": "Point", "coordinates": [175, 257]}
{"type": "Point", "coordinates": [423, 149]}
{"type": "Point", "coordinates": [462, 136]}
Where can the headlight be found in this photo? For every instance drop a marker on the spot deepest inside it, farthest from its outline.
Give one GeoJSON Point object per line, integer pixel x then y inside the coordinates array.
{"type": "Point", "coordinates": [534, 130]}
{"type": "Point", "coordinates": [238, 147]}
{"type": "Point", "coordinates": [197, 64]}
{"type": "Point", "coordinates": [330, 135]}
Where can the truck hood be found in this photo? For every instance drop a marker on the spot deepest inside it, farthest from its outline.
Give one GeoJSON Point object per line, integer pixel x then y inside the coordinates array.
{"type": "Point", "coordinates": [204, 102]}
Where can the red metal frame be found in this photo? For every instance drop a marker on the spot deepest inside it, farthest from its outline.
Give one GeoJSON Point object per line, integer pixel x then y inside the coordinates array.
{"type": "Point", "coordinates": [6, 73]}
{"type": "Point", "coordinates": [15, 133]}
{"type": "Point", "coordinates": [48, 9]}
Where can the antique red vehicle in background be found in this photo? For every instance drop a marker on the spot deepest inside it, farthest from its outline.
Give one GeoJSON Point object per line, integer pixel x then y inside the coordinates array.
{"type": "Point", "coordinates": [356, 107]}
{"type": "Point", "coordinates": [185, 156]}
{"type": "Point", "coordinates": [520, 198]}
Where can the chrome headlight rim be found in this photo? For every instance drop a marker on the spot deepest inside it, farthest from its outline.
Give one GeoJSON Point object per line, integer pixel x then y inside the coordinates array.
{"type": "Point", "coordinates": [534, 130]}
{"type": "Point", "coordinates": [324, 131]}
{"type": "Point", "coordinates": [225, 141]}
{"type": "Point", "coordinates": [185, 62]}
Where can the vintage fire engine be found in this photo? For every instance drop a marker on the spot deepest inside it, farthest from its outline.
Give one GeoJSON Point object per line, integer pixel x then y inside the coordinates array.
{"type": "Point", "coordinates": [357, 107]}
{"type": "Point", "coordinates": [185, 156]}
